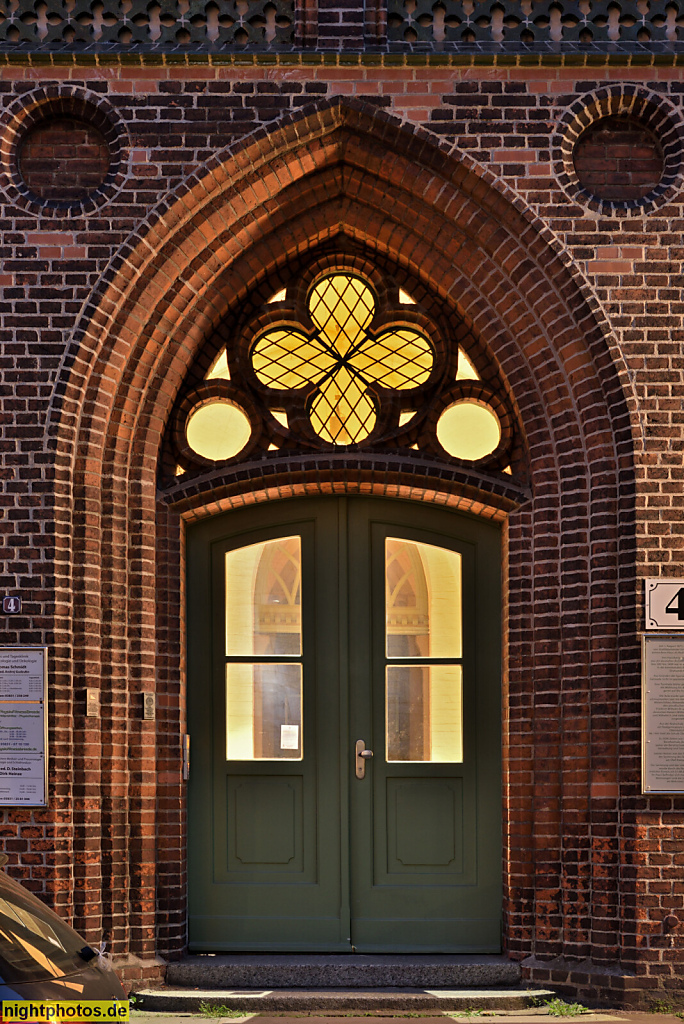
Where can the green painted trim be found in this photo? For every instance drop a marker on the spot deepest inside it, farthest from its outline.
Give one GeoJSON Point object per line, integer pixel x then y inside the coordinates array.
{"type": "Point", "coordinates": [346, 60]}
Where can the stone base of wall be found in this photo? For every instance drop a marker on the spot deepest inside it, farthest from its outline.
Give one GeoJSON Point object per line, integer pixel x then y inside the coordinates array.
{"type": "Point", "coordinates": [136, 973]}
{"type": "Point", "coordinates": [603, 985]}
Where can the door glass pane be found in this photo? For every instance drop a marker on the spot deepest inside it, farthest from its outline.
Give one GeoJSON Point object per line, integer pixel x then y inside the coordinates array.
{"type": "Point", "coordinates": [424, 713]}
{"type": "Point", "coordinates": [423, 600]}
{"type": "Point", "coordinates": [263, 598]}
{"type": "Point", "coordinates": [263, 712]}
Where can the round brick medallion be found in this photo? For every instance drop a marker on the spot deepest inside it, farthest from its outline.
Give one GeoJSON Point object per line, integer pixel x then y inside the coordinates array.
{"type": "Point", "coordinates": [620, 151]}
{"type": "Point", "coordinates": [63, 151]}
{"type": "Point", "coordinates": [64, 159]}
{"type": "Point", "coordinates": [618, 158]}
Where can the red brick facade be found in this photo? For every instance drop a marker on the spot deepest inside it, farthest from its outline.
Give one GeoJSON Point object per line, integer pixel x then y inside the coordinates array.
{"type": "Point", "coordinates": [458, 178]}
{"type": "Point", "coordinates": [618, 159]}
{"type": "Point", "coordinates": [63, 159]}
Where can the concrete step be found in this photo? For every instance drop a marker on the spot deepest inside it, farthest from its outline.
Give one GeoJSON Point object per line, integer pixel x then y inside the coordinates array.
{"type": "Point", "coordinates": [178, 1000]}
{"type": "Point", "coordinates": [317, 971]}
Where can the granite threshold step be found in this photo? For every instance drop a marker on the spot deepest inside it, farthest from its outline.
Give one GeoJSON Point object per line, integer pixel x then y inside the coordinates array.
{"type": "Point", "coordinates": [325, 1001]}
{"type": "Point", "coordinates": [342, 970]}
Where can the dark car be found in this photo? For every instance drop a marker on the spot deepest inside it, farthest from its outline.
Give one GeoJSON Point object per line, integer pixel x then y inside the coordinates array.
{"type": "Point", "coordinates": [41, 957]}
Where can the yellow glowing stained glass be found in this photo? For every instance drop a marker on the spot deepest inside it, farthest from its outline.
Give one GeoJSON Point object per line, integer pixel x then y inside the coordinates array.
{"type": "Point", "coordinates": [288, 360]}
{"type": "Point", "coordinates": [342, 410]}
{"type": "Point", "coordinates": [341, 307]}
{"type": "Point", "coordinates": [342, 358]}
{"type": "Point", "coordinates": [469, 430]}
{"type": "Point", "coordinates": [398, 359]}
{"type": "Point", "coordinates": [219, 368]}
{"type": "Point", "coordinates": [281, 416]}
{"type": "Point", "coordinates": [466, 370]}
{"type": "Point", "coordinates": [218, 430]}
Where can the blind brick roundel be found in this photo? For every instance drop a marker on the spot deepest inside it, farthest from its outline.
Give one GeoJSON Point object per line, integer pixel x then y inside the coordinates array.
{"type": "Point", "coordinates": [339, 359]}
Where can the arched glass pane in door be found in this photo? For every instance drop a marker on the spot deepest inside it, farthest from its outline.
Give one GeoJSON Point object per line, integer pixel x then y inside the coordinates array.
{"type": "Point", "coordinates": [424, 646]}
{"type": "Point", "coordinates": [263, 622]}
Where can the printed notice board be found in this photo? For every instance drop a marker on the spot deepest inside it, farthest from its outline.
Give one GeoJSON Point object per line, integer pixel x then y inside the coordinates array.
{"type": "Point", "coordinates": [23, 726]}
{"type": "Point", "coordinates": [662, 714]}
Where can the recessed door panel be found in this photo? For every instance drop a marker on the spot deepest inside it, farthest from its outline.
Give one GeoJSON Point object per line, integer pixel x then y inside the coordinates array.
{"type": "Point", "coordinates": [343, 702]}
{"type": "Point", "coordinates": [424, 826]}
{"type": "Point", "coordinates": [264, 823]}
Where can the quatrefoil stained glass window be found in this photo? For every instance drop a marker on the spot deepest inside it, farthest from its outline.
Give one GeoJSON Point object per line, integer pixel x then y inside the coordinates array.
{"type": "Point", "coordinates": [342, 359]}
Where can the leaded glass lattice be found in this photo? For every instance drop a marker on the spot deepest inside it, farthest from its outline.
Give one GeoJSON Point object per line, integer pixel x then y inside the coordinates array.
{"type": "Point", "coordinates": [343, 359]}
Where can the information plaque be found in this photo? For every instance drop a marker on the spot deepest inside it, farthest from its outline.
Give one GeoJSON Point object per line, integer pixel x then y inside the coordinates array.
{"type": "Point", "coordinates": [662, 715]}
{"type": "Point", "coordinates": [23, 726]}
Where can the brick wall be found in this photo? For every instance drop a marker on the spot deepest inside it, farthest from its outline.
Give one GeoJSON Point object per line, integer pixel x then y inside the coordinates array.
{"type": "Point", "coordinates": [618, 159]}
{"type": "Point", "coordinates": [103, 312]}
{"type": "Point", "coordinates": [63, 159]}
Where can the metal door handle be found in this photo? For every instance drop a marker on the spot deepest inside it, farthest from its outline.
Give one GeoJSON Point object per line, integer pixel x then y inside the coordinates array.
{"type": "Point", "coordinates": [362, 755]}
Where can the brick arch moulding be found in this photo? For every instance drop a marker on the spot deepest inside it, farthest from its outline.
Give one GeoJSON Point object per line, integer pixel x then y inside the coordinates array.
{"type": "Point", "coordinates": [344, 173]}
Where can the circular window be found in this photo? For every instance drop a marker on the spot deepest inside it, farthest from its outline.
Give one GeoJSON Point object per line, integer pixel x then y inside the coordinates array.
{"type": "Point", "coordinates": [618, 158]}
{"type": "Point", "coordinates": [618, 150]}
{"type": "Point", "coordinates": [218, 430]}
{"type": "Point", "coordinates": [469, 430]}
{"type": "Point", "coordinates": [63, 159]}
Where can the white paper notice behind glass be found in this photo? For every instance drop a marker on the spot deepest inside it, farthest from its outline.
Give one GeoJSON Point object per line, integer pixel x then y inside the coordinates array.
{"type": "Point", "coordinates": [289, 737]}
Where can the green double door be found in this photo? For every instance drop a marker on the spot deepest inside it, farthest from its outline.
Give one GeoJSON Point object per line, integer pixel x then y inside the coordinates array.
{"type": "Point", "coordinates": [344, 714]}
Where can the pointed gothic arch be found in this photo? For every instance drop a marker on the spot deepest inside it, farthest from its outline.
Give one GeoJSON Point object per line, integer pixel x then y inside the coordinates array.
{"type": "Point", "coordinates": [340, 169]}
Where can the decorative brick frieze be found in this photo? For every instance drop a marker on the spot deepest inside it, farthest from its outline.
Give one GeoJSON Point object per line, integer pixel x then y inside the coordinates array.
{"type": "Point", "coordinates": [136, 24]}
{"type": "Point", "coordinates": [379, 474]}
{"type": "Point", "coordinates": [218, 26]}
{"type": "Point", "coordinates": [568, 23]}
